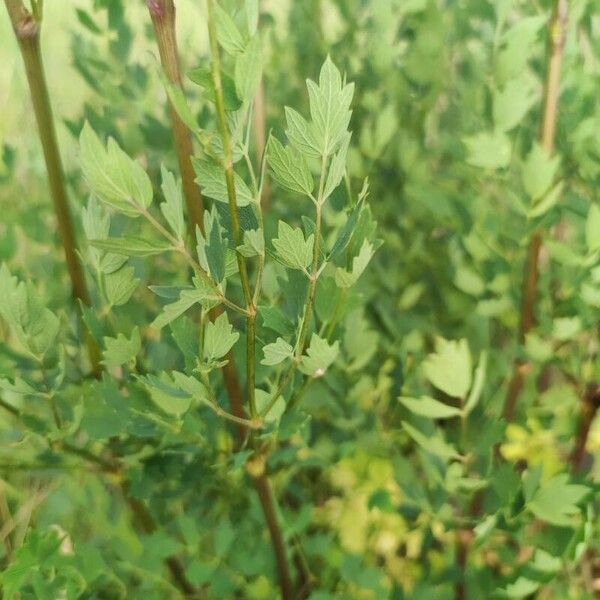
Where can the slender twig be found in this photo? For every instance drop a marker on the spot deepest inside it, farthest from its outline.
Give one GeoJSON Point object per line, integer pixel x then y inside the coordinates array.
{"type": "Point", "coordinates": [547, 135]}
{"type": "Point", "coordinates": [268, 504]}
{"type": "Point", "coordinates": [590, 406]}
{"type": "Point", "coordinates": [314, 275]}
{"type": "Point", "coordinates": [163, 16]}
{"type": "Point", "coordinates": [162, 13]}
{"type": "Point", "coordinates": [462, 546]}
{"type": "Point", "coordinates": [260, 479]}
{"type": "Point", "coordinates": [27, 31]}
{"type": "Point", "coordinates": [213, 404]}
{"type": "Point", "coordinates": [308, 307]}
{"type": "Point", "coordinates": [233, 209]}
{"type": "Point", "coordinates": [178, 246]}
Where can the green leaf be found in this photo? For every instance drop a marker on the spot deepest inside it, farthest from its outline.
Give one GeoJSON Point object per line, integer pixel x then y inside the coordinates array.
{"type": "Point", "coordinates": [521, 588]}
{"type": "Point", "coordinates": [346, 230]}
{"type": "Point", "coordinates": [290, 169]}
{"type": "Point", "coordinates": [337, 168]}
{"type": "Point", "coordinates": [252, 10]}
{"type": "Point", "coordinates": [430, 408]}
{"type": "Point", "coordinates": [516, 43]}
{"type": "Point", "coordinates": [187, 299]}
{"type": "Point", "coordinates": [190, 385]}
{"type": "Point", "coordinates": [275, 319]}
{"type": "Point", "coordinates": [301, 134]}
{"type": "Point", "coordinates": [228, 34]}
{"type": "Point", "coordinates": [110, 262]}
{"type": "Point", "coordinates": [35, 326]}
{"type": "Point", "coordinates": [87, 21]}
{"type": "Point", "coordinates": [219, 338]}
{"type": "Point", "coordinates": [172, 207]}
{"type": "Point", "coordinates": [248, 69]}
{"type": "Point", "coordinates": [28, 559]}
{"type": "Point", "coordinates": [202, 76]}
{"type": "Point", "coordinates": [556, 500]}
{"type": "Point", "coordinates": [120, 285]}
{"type": "Point", "coordinates": [477, 387]}
{"type": "Point", "coordinates": [469, 281]}
{"type": "Point", "coordinates": [488, 150]}
{"type": "Point", "coordinates": [19, 386]}
{"type": "Point", "coordinates": [132, 246]}
{"type": "Point", "coordinates": [254, 243]}
{"type": "Point", "coordinates": [276, 352]}
{"type": "Point", "coordinates": [434, 444]}
{"type": "Point", "coordinates": [512, 103]}
{"type": "Point", "coordinates": [346, 279]}
{"type": "Point", "coordinates": [330, 107]}
{"type": "Point", "coordinates": [212, 246]}
{"type": "Point", "coordinates": [112, 176]}
{"type": "Point", "coordinates": [178, 102]}
{"type": "Point", "coordinates": [105, 410]}
{"type": "Point", "coordinates": [538, 171]}
{"type": "Point", "coordinates": [546, 202]}
{"type": "Point", "coordinates": [566, 328]}
{"type": "Point", "coordinates": [592, 229]}
{"type": "Point", "coordinates": [211, 178]}
{"type": "Point", "coordinates": [292, 249]}
{"type": "Point", "coordinates": [96, 226]}
{"type": "Point", "coordinates": [319, 356]}
{"type": "Point", "coordinates": [449, 368]}
{"type": "Point", "coordinates": [167, 396]}
{"type": "Point", "coordinates": [121, 350]}
{"type": "Point", "coordinates": [360, 342]}
{"type": "Point", "coordinates": [262, 401]}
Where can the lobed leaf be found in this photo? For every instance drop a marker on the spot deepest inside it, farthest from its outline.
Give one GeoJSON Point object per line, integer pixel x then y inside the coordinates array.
{"type": "Point", "coordinates": [113, 177]}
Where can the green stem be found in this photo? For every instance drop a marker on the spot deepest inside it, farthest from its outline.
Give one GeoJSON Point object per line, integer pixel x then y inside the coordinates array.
{"type": "Point", "coordinates": [179, 247]}
{"type": "Point", "coordinates": [308, 307]}
{"type": "Point", "coordinates": [213, 404]}
{"type": "Point", "coordinates": [27, 31]}
{"type": "Point", "coordinates": [261, 481]}
{"type": "Point", "coordinates": [233, 209]}
{"type": "Point", "coordinates": [314, 275]}
{"type": "Point", "coordinates": [557, 33]}
{"type": "Point", "coordinates": [163, 16]}
{"type": "Point", "coordinates": [227, 152]}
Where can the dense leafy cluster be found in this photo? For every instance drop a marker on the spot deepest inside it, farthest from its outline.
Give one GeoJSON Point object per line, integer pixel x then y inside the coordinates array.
{"type": "Point", "coordinates": [370, 368]}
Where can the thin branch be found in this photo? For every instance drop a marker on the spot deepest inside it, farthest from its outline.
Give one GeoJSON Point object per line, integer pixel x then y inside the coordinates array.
{"type": "Point", "coordinates": [547, 135]}
{"type": "Point", "coordinates": [590, 406]}
{"type": "Point", "coordinates": [314, 275]}
{"type": "Point", "coordinates": [261, 482]}
{"type": "Point", "coordinates": [27, 31]}
{"type": "Point", "coordinates": [268, 504]}
{"type": "Point", "coordinates": [162, 13]}
{"type": "Point", "coordinates": [308, 307]}
{"type": "Point", "coordinates": [179, 247]}
{"type": "Point", "coordinates": [233, 209]}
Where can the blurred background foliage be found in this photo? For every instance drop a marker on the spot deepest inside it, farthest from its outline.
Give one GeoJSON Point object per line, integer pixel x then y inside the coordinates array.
{"type": "Point", "coordinates": [448, 103]}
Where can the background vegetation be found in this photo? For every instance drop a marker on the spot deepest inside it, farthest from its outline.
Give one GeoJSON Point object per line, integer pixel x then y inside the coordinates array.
{"type": "Point", "coordinates": [424, 429]}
